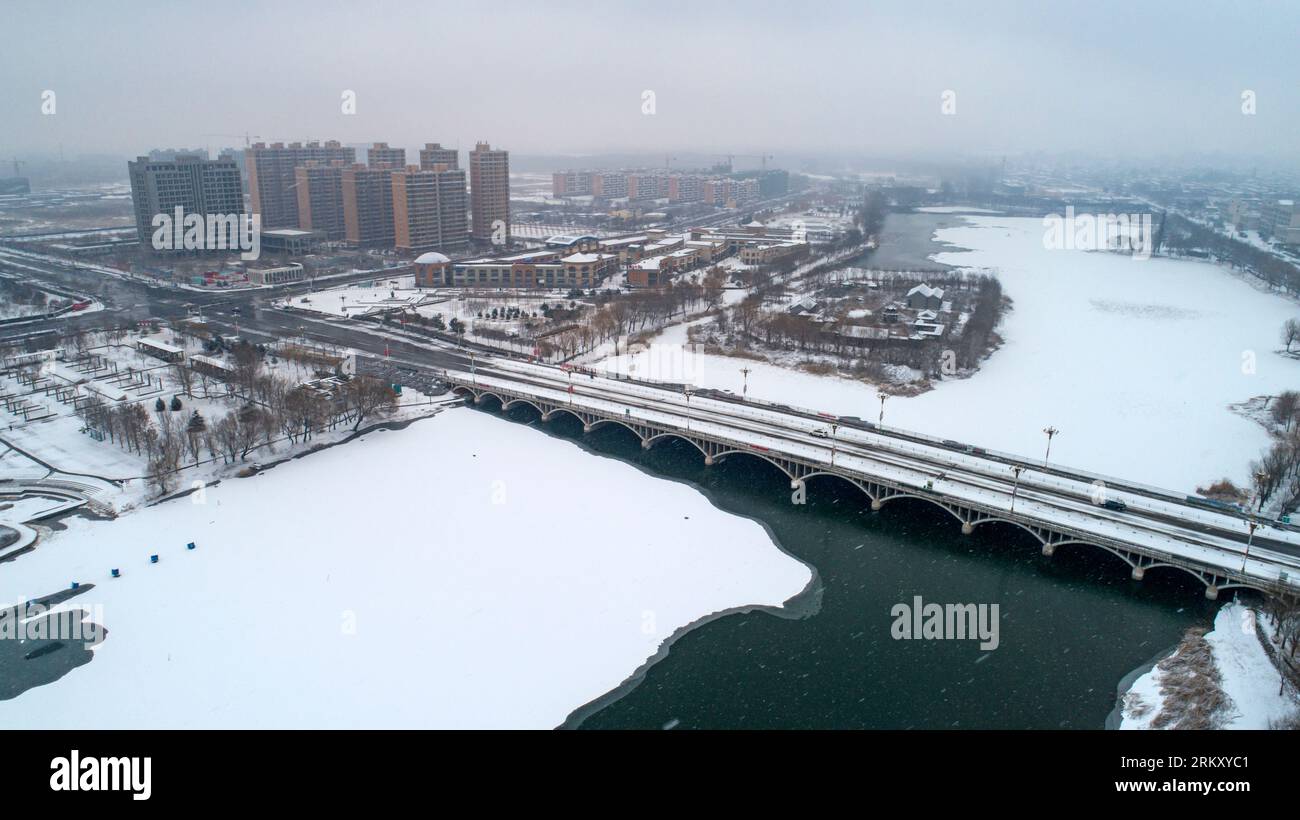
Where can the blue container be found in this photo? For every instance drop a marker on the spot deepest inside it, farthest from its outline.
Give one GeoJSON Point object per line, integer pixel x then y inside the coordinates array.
{"type": "Point", "coordinates": [117, 574]}
{"type": "Point", "coordinates": [189, 546]}
{"type": "Point", "coordinates": [153, 559]}
{"type": "Point", "coordinates": [75, 585]}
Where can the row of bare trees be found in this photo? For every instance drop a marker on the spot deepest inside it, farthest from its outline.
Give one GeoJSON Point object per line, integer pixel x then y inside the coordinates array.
{"type": "Point", "coordinates": [267, 408]}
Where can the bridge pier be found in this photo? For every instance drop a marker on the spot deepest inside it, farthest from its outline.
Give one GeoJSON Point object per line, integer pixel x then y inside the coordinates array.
{"type": "Point", "coordinates": [586, 428]}
{"type": "Point", "coordinates": [1212, 592]}
{"type": "Point", "coordinates": [645, 444]}
{"type": "Point", "coordinates": [1138, 572]}
{"type": "Point", "coordinates": [876, 504]}
{"type": "Point", "coordinates": [967, 528]}
{"type": "Point", "coordinates": [708, 461]}
{"type": "Point", "coordinates": [796, 483]}
{"type": "Point", "coordinates": [1049, 550]}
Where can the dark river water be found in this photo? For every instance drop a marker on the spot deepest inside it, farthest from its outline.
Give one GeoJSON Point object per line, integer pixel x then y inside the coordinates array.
{"type": "Point", "coordinates": [1071, 626]}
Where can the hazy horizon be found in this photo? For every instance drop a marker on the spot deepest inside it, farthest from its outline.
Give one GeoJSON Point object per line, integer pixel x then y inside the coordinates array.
{"type": "Point", "coordinates": [1109, 79]}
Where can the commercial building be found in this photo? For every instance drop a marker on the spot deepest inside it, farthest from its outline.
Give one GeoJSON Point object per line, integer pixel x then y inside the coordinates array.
{"type": "Point", "coordinates": [429, 208]}
{"type": "Point", "coordinates": [368, 206]}
{"type": "Point", "coordinates": [271, 176]}
{"type": "Point", "coordinates": [489, 188]}
{"type": "Point", "coordinates": [434, 154]}
{"type": "Point", "coordinates": [278, 275]}
{"type": "Point", "coordinates": [193, 183]}
{"type": "Point", "coordinates": [290, 241]}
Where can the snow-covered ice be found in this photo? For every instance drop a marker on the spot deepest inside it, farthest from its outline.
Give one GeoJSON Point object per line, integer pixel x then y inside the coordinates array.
{"type": "Point", "coordinates": [463, 572]}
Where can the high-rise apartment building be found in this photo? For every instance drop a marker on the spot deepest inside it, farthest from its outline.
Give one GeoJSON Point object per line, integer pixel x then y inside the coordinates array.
{"type": "Point", "coordinates": [434, 154]}
{"type": "Point", "coordinates": [571, 183]}
{"type": "Point", "coordinates": [271, 176]}
{"type": "Point", "coordinates": [429, 208]}
{"type": "Point", "coordinates": [380, 155]}
{"type": "Point", "coordinates": [194, 183]}
{"type": "Point", "coordinates": [320, 198]}
{"type": "Point", "coordinates": [489, 189]}
{"type": "Point", "coordinates": [610, 185]}
{"type": "Point", "coordinates": [368, 206]}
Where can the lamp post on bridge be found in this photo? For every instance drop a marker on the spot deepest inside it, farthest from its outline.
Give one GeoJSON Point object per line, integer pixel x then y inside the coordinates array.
{"type": "Point", "coordinates": [472, 374]}
{"type": "Point", "coordinates": [1050, 431]}
{"type": "Point", "coordinates": [834, 426]}
{"type": "Point", "coordinates": [1252, 525]}
{"type": "Point", "coordinates": [686, 391]}
{"type": "Point", "coordinates": [744, 390]}
{"type": "Point", "coordinates": [883, 396]}
{"type": "Point", "coordinates": [1015, 486]}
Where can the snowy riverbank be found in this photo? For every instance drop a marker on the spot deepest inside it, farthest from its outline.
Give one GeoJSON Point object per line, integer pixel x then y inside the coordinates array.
{"type": "Point", "coordinates": [1228, 667]}
{"type": "Point", "coordinates": [463, 572]}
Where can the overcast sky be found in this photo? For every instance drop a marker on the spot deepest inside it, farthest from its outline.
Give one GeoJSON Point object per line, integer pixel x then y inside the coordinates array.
{"type": "Point", "coordinates": [1134, 78]}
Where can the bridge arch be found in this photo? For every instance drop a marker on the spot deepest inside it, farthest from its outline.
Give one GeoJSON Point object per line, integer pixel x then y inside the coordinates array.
{"type": "Point", "coordinates": [827, 473]}
{"type": "Point", "coordinates": [992, 519]}
{"type": "Point", "coordinates": [529, 402]}
{"type": "Point", "coordinates": [1121, 556]}
{"type": "Point", "coordinates": [768, 459]}
{"type": "Point", "coordinates": [555, 411]}
{"type": "Point", "coordinates": [618, 422]}
{"type": "Point", "coordinates": [660, 436]}
{"type": "Point", "coordinates": [882, 499]}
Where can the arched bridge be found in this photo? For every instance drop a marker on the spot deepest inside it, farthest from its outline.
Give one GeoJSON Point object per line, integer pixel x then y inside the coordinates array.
{"type": "Point", "coordinates": [1146, 528]}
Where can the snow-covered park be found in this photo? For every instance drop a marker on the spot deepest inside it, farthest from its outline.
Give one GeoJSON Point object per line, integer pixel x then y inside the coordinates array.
{"type": "Point", "coordinates": [1135, 362]}
{"type": "Point", "coordinates": [452, 580]}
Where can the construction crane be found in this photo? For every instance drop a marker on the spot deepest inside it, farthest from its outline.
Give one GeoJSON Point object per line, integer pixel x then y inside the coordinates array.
{"type": "Point", "coordinates": [18, 164]}
{"type": "Point", "coordinates": [731, 159]}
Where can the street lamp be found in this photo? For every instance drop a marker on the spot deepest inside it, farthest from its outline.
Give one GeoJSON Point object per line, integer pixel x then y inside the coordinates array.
{"type": "Point", "coordinates": [883, 396]}
{"type": "Point", "coordinates": [1050, 431]}
{"type": "Point", "coordinates": [1016, 486]}
{"type": "Point", "coordinates": [834, 426]}
{"type": "Point", "coordinates": [744, 390]}
{"type": "Point", "coordinates": [472, 374]}
{"type": "Point", "coordinates": [686, 391]}
{"type": "Point", "coordinates": [1250, 538]}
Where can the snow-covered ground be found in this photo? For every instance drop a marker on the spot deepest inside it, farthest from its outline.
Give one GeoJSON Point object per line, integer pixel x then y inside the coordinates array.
{"type": "Point", "coordinates": [1249, 678]}
{"type": "Point", "coordinates": [1135, 362]}
{"type": "Point", "coordinates": [437, 576]}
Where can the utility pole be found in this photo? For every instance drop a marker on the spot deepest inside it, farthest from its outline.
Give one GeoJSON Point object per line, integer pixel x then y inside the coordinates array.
{"type": "Point", "coordinates": [883, 396]}
{"type": "Point", "coordinates": [1016, 486]}
{"type": "Point", "coordinates": [744, 391]}
{"type": "Point", "coordinates": [1050, 431]}
{"type": "Point", "coordinates": [834, 426]}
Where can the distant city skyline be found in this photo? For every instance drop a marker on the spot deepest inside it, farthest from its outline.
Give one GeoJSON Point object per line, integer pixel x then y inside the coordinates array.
{"type": "Point", "coordinates": [1111, 79]}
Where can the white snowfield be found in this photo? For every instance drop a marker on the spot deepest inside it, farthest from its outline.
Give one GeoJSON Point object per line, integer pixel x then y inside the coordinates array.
{"type": "Point", "coordinates": [1154, 523]}
{"type": "Point", "coordinates": [469, 573]}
